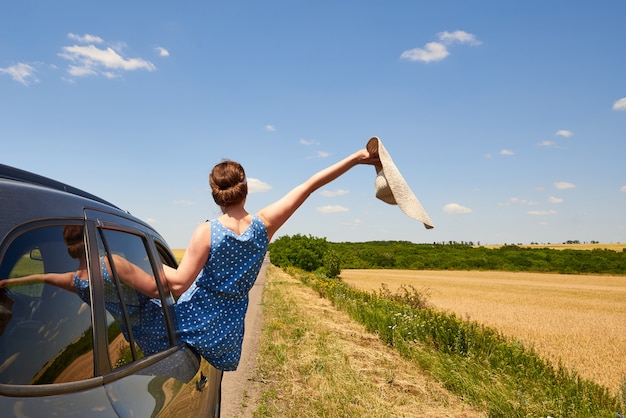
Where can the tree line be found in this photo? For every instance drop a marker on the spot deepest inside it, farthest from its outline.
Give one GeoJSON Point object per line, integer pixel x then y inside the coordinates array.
{"type": "Point", "coordinates": [316, 254]}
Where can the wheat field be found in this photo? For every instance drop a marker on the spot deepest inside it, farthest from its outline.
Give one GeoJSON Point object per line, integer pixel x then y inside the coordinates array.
{"type": "Point", "coordinates": [579, 320]}
{"type": "Point", "coordinates": [584, 246]}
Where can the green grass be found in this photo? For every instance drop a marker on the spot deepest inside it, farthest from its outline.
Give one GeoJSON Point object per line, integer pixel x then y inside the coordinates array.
{"type": "Point", "coordinates": [316, 362]}
{"type": "Point", "coordinates": [297, 356]}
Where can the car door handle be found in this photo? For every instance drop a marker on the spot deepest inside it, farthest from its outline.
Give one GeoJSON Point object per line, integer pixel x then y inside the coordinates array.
{"type": "Point", "coordinates": [202, 381]}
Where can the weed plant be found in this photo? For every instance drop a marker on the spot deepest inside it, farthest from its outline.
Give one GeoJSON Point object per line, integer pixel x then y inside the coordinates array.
{"type": "Point", "coordinates": [474, 361]}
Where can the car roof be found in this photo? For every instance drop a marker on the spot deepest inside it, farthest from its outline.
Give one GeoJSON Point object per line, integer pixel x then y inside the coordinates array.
{"type": "Point", "coordinates": [27, 196]}
{"type": "Point", "coordinates": [12, 173]}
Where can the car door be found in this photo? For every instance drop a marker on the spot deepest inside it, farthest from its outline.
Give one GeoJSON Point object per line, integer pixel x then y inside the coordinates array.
{"type": "Point", "coordinates": [99, 347]}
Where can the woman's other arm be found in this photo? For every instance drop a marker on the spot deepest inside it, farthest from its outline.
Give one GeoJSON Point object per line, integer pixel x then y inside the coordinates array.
{"type": "Point", "coordinates": [194, 259]}
{"type": "Point", "coordinates": [62, 280]}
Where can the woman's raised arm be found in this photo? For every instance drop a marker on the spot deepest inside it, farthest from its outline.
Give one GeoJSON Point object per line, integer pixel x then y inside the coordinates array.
{"type": "Point", "coordinates": [277, 213]}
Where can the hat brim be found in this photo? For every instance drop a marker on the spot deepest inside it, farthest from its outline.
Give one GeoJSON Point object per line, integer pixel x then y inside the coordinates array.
{"type": "Point", "coordinates": [391, 187]}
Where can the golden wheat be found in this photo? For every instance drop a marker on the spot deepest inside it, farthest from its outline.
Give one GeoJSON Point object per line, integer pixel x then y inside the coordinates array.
{"type": "Point", "coordinates": [579, 320]}
{"type": "Point", "coordinates": [585, 247]}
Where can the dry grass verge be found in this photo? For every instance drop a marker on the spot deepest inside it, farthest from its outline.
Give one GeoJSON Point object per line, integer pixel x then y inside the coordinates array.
{"type": "Point", "coordinates": [316, 361]}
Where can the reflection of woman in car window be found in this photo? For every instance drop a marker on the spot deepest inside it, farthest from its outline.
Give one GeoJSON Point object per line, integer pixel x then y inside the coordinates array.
{"type": "Point", "coordinates": [62, 280]}
{"type": "Point", "coordinates": [129, 273]}
{"type": "Point", "coordinates": [225, 256]}
{"type": "Point", "coordinates": [144, 312]}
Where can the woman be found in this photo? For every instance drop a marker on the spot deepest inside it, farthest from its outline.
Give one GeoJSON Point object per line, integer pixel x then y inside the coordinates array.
{"type": "Point", "coordinates": [225, 255]}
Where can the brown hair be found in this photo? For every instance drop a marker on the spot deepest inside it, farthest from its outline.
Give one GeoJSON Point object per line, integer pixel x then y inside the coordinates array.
{"type": "Point", "coordinates": [228, 183]}
{"type": "Point", "coordinates": [73, 236]}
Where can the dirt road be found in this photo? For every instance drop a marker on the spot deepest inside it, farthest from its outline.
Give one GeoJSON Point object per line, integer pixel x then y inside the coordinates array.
{"type": "Point", "coordinates": [239, 391]}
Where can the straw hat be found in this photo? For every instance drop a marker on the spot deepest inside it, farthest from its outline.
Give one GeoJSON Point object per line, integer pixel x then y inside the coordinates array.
{"type": "Point", "coordinates": [392, 188]}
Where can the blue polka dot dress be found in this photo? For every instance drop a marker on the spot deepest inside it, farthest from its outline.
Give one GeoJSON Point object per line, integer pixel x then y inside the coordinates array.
{"type": "Point", "coordinates": [211, 312]}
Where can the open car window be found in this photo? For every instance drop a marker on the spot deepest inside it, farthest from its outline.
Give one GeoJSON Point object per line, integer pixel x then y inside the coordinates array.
{"type": "Point", "coordinates": [135, 318]}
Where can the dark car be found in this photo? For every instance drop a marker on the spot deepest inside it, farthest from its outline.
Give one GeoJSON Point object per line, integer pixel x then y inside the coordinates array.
{"type": "Point", "coordinates": [103, 345]}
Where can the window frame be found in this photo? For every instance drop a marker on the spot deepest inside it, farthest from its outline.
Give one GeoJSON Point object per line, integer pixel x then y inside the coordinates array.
{"type": "Point", "coordinates": [96, 222]}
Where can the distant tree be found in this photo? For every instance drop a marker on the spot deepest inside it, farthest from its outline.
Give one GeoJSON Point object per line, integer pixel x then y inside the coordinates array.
{"type": "Point", "coordinates": [298, 251]}
{"type": "Point", "coordinates": [317, 255]}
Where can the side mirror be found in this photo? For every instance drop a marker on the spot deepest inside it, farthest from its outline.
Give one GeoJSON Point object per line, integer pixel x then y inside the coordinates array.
{"type": "Point", "coordinates": [35, 254]}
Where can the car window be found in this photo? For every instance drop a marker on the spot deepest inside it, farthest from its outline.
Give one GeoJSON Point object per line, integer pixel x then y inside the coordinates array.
{"type": "Point", "coordinates": [137, 325]}
{"type": "Point", "coordinates": [166, 257]}
{"type": "Point", "coordinates": [45, 328]}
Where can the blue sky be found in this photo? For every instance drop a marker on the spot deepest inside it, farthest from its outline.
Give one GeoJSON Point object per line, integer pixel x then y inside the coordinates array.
{"type": "Point", "coordinates": [506, 118]}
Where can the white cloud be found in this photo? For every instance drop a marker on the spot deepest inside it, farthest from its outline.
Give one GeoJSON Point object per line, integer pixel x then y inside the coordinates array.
{"type": "Point", "coordinates": [334, 193]}
{"type": "Point", "coordinates": [257, 186]}
{"type": "Point", "coordinates": [622, 189]}
{"type": "Point", "coordinates": [91, 56]}
{"type": "Point", "coordinates": [432, 51]}
{"type": "Point", "coordinates": [354, 224]}
{"type": "Point", "coordinates": [21, 72]}
{"type": "Point", "coordinates": [458, 36]}
{"type": "Point", "coordinates": [162, 51]}
{"type": "Point", "coordinates": [553, 199]}
{"type": "Point", "coordinates": [620, 104]}
{"type": "Point", "coordinates": [331, 209]}
{"type": "Point", "coordinates": [563, 185]}
{"type": "Point", "coordinates": [270, 128]}
{"type": "Point", "coordinates": [308, 143]}
{"type": "Point", "coordinates": [90, 60]}
{"type": "Point", "coordinates": [506, 152]}
{"type": "Point", "coordinates": [516, 201]}
{"type": "Point", "coordinates": [564, 132]}
{"type": "Point", "coordinates": [546, 144]}
{"type": "Point", "coordinates": [85, 39]}
{"type": "Point", "coordinates": [437, 51]}
{"type": "Point", "coordinates": [82, 71]}
{"type": "Point", "coordinates": [542, 212]}
{"type": "Point", "coordinates": [455, 208]}
{"type": "Point", "coordinates": [151, 220]}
